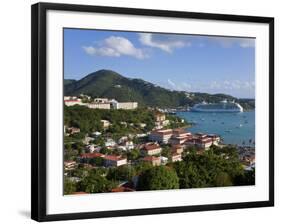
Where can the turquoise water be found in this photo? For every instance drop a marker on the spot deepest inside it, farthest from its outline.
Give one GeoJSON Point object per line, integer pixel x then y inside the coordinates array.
{"type": "Point", "coordinates": [234, 128]}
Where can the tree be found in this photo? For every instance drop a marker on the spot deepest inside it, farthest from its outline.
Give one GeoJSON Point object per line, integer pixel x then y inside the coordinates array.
{"type": "Point", "coordinates": [96, 183]}
{"type": "Point", "coordinates": [166, 151]}
{"type": "Point", "coordinates": [121, 173]}
{"type": "Point", "coordinates": [134, 154]}
{"type": "Point", "coordinates": [98, 161]}
{"type": "Point", "coordinates": [158, 178]}
{"type": "Point", "coordinates": [222, 179]}
{"type": "Point", "coordinates": [69, 186]}
{"type": "Point", "coordinates": [215, 167]}
{"type": "Point", "coordinates": [247, 178]}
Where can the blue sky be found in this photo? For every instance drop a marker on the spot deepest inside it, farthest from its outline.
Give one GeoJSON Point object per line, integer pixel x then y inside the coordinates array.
{"type": "Point", "coordinates": [191, 63]}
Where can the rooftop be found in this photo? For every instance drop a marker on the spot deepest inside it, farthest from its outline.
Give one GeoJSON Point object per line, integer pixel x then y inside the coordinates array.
{"type": "Point", "coordinates": [113, 157]}
{"type": "Point", "coordinates": [151, 146]}
{"type": "Point", "coordinates": [91, 155]}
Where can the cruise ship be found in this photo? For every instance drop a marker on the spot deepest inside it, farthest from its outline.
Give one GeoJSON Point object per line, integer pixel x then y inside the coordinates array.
{"type": "Point", "coordinates": [223, 106]}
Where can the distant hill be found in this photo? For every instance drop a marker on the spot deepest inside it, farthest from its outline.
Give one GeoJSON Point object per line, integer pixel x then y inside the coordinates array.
{"type": "Point", "coordinates": [107, 83]}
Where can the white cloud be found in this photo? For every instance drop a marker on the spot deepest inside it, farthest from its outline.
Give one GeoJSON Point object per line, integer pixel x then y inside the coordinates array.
{"type": "Point", "coordinates": [187, 86]}
{"type": "Point", "coordinates": [228, 42]}
{"type": "Point", "coordinates": [166, 43]}
{"type": "Point", "coordinates": [247, 43]}
{"type": "Point", "coordinates": [171, 83]}
{"type": "Point", "coordinates": [116, 46]}
{"type": "Point", "coordinates": [215, 85]}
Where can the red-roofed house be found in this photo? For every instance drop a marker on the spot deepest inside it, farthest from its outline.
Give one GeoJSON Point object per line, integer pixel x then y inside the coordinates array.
{"type": "Point", "coordinates": [150, 149]}
{"type": "Point", "coordinates": [177, 149]}
{"type": "Point", "coordinates": [153, 160]}
{"type": "Point", "coordinates": [112, 160]}
{"type": "Point", "coordinates": [161, 135]}
{"type": "Point", "coordinates": [72, 102]}
{"type": "Point", "coordinates": [200, 141]}
{"type": "Point", "coordinates": [91, 155]}
{"type": "Point", "coordinates": [179, 136]}
{"type": "Point", "coordinates": [176, 157]}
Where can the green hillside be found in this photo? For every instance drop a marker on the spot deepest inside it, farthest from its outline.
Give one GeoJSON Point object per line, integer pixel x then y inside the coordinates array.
{"type": "Point", "coordinates": [107, 83]}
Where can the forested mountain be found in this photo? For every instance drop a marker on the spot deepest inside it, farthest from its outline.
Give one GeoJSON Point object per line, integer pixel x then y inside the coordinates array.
{"type": "Point", "coordinates": [107, 83]}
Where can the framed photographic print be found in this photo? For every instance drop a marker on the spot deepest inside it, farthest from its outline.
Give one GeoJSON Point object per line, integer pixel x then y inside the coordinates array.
{"type": "Point", "coordinates": [139, 111]}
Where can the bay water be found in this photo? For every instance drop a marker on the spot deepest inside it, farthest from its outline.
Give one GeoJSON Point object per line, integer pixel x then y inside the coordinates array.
{"type": "Point", "coordinates": [233, 128]}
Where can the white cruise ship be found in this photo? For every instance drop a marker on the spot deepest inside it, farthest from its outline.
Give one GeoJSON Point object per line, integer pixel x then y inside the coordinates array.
{"type": "Point", "coordinates": [223, 106]}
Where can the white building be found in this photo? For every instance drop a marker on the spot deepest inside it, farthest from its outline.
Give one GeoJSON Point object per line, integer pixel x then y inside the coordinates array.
{"type": "Point", "coordinates": [176, 157]}
{"type": "Point", "coordinates": [105, 123]}
{"type": "Point", "coordinates": [72, 102]}
{"type": "Point", "coordinates": [105, 106]}
{"type": "Point", "coordinates": [164, 160]}
{"type": "Point", "coordinates": [69, 165]}
{"type": "Point", "coordinates": [115, 161]}
{"type": "Point", "coordinates": [110, 143]}
{"type": "Point", "coordinates": [162, 136]}
{"type": "Point", "coordinates": [92, 148]}
{"type": "Point", "coordinates": [101, 100]}
{"type": "Point", "coordinates": [70, 98]}
{"type": "Point", "coordinates": [123, 105]}
{"type": "Point", "coordinates": [151, 149]}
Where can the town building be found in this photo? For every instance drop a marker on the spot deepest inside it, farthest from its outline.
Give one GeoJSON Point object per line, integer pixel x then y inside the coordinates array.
{"type": "Point", "coordinates": [215, 139]}
{"type": "Point", "coordinates": [115, 161]}
{"type": "Point", "coordinates": [159, 116]}
{"type": "Point", "coordinates": [124, 105]}
{"type": "Point", "coordinates": [153, 160]}
{"type": "Point", "coordinates": [95, 134]}
{"type": "Point", "coordinates": [73, 130]}
{"type": "Point", "coordinates": [70, 98]}
{"type": "Point", "coordinates": [179, 136]}
{"type": "Point", "coordinates": [142, 125]}
{"type": "Point", "coordinates": [177, 149]}
{"type": "Point", "coordinates": [160, 120]}
{"type": "Point", "coordinates": [92, 148]}
{"type": "Point", "coordinates": [100, 103]}
{"type": "Point", "coordinates": [162, 136]}
{"type": "Point", "coordinates": [91, 155]}
{"type": "Point", "coordinates": [126, 145]}
{"type": "Point", "coordinates": [248, 159]}
{"type": "Point", "coordinates": [105, 106]}
{"type": "Point", "coordinates": [176, 157]}
{"type": "Point", "coordinates": [199, 140]}
{"type": "Point", "coordinates": [86, 157]}
{"type": "Point", "coordinates": [164, 160]}
{"type": "Point", "coordinates": [105, 123]}
{"type": "Point", "coordinates": [101, 100]}
{"type": "Point", "coordinates": [72, 102]}
{"type": "Point", "coordinates": [150, 149]}
{"type": "Point", "coordinates": [110, 142]}
{"type": "Point", "coordinates": [69, 165]}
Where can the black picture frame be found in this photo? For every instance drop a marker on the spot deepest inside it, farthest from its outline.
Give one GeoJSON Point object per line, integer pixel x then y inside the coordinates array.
{"type": "Point", "coordinates": [38, 108]}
